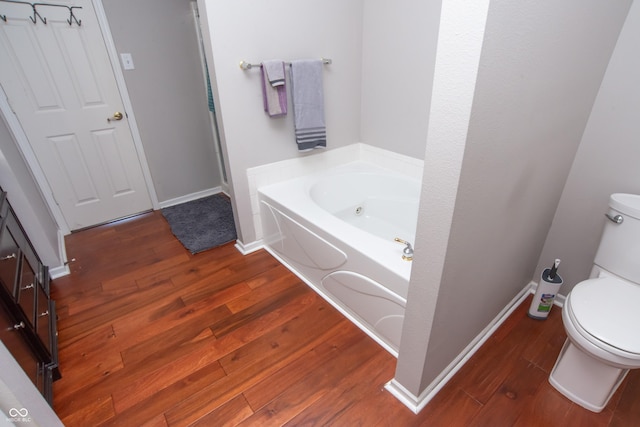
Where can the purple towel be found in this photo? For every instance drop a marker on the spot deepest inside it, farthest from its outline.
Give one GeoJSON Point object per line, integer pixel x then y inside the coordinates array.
{"type": "Point", "coordinates": [274, 88]}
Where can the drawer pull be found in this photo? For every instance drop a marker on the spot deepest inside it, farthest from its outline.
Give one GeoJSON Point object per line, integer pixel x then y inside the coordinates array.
{"type": "Point", "coordinates": [4, 258]}
{"type": "Point", "coordinates": [18, 326]}
{"type": "Point", "coordinates": [45, 313]}
{"type": "Point", "coordinates": [29, 286]}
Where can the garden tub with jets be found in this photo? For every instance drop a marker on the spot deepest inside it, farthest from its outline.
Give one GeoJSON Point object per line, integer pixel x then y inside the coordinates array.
{"type": "Point", "coordinates": [347, 232]}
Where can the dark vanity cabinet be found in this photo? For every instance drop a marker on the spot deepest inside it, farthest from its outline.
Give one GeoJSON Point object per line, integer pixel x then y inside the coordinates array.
{"type": "Point", "coordinates": [27, 313]}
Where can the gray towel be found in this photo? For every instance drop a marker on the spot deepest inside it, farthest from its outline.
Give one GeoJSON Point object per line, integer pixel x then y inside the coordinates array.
{"type": "Point", "coordinates": [274, 69]}
{"type": "Point", "coordinates": [308, 104]}
{"type": "Point", "coordinates": [274, 89]}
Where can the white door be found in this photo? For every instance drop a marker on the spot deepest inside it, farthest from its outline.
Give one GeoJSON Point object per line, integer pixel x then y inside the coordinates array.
{"type": "Point", "coordinates": [60, 84]}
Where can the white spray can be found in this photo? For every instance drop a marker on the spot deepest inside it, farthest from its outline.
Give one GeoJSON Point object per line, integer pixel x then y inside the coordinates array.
{"type": "Point", "coordinates": [550, 282]}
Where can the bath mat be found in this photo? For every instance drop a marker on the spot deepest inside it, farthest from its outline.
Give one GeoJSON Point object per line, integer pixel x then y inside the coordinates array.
{"type": "Point", "coordinates": [202, 224]}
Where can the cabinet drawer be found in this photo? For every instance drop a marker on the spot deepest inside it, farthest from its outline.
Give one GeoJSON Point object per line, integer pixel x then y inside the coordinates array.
{"type": "Point", "coordinates": [12, 225]}
{"type": "Point", "coordinates": [13, 337]}
{"type": "Point", "coordinates": [8, 261]}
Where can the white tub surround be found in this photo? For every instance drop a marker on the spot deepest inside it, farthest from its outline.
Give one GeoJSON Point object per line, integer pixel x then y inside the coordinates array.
{"type": "Point", "coordinates": [335, 229]}
{"type": "Point", "coordinates": [273, 173]}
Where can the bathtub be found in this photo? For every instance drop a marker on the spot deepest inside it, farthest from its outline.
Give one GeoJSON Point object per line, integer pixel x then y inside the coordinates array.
{"type": "Point", "coordinates": [336, 231]}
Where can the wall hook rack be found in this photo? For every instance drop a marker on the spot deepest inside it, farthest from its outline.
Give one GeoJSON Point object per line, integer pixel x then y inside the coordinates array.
{"type": "Point", "coordinates": [36, 15]}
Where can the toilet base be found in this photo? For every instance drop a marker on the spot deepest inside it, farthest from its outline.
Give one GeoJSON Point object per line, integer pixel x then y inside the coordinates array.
{"type": "Point", "coordinates": [583, 379]}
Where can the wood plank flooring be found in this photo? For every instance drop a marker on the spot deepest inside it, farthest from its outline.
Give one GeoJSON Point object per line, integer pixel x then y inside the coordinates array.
{"type": "Point", "coordinates": [151, 335]}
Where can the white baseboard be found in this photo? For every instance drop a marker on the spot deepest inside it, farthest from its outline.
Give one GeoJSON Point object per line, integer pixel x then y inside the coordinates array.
{"type": "Point", "coordinates": [250, 247]}
{"type": "Point", "coordinates": [56, 272]}
{"type": "Point", "coordinates": [61, 270]}
{"type": "Point", "coordinates": [417, 403]}
{"type": "Point", "coordinates": [559, 300]}
{"type": "Point", "coordinates": [189, 197]}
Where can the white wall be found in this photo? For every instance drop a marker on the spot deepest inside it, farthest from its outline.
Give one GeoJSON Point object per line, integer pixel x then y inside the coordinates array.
{"type": "Point", "coordinates": [398, 52]}
{"type": "Point", "coordinates": [284, 29]}
{"type": "Point", "coordinates": [377, 90]}
{"type": "Point", "coordinates": [17, 391]}
{"type": "Point", "coordinates": [456, 72]}
{"type": "Point", "coordinates": [540, 69]}
{"type": "Point", "coordinates": [27, 201]}
{"type": "Point", "coordinates": [606, 163]}
{"type": "Point", "coordinates": [168, 93]}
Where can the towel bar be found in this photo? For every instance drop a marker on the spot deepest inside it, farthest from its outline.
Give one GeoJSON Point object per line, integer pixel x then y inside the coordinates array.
{"type": "Point", "coordinates": [247, 66]}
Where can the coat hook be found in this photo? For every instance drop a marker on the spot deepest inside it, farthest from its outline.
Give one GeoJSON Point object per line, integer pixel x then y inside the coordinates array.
{"type": "Point", "coordinates": [3, 17]}
{"type": "Point", "coordinates": [36, 14]}
{"type": "Point", "coordinates": [72, 17]}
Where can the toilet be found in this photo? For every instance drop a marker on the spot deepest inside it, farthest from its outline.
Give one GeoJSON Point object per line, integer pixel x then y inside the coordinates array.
{"type": "Point", "coordinates": [601, 315]}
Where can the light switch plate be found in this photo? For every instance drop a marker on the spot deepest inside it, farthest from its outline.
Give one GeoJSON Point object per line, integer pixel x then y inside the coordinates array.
{"type": "Point", "coordinates": [127, 61]}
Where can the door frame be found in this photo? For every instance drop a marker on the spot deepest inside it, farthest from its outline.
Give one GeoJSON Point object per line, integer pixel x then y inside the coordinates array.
{"type": "Point", "coordinates": [27, 152]}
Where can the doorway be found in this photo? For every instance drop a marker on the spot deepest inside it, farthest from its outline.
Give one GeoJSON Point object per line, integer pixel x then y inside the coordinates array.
{"type": "Point", "coordinates": [212, 107]}
{"type": "Point", "coordinates": [60, 85]}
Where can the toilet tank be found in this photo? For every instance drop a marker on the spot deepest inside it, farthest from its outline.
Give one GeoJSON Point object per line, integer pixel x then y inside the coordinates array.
{"type": "Point", "coordinates": [619, 250]}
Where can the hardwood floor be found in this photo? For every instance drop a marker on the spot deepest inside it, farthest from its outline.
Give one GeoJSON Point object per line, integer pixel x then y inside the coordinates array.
{"type": "Point", "coordinates": [152, 335]}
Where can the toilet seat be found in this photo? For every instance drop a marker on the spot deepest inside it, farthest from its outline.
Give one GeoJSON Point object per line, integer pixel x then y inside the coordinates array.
{"type": "Point", "coordinates": [604, 312]}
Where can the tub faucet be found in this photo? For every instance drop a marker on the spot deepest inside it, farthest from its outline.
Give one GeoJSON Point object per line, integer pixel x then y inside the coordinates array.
{"type": "Point", "coordinates": [407, 252]}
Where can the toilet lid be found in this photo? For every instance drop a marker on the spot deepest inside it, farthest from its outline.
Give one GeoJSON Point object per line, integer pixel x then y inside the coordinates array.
{"type": "Point", "coordinates": [608, 309]}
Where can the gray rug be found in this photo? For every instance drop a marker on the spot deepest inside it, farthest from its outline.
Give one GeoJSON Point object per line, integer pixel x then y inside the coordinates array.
{"type": "Point", "coordinates": [202, 224]}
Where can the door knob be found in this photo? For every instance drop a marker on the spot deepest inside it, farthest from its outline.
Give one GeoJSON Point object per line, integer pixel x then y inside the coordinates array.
{"type": "Point", "coordinates": [116, 116]}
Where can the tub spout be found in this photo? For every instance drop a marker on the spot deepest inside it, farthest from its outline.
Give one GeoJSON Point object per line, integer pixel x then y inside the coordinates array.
{"type": "Point", "coordinates": [407, 252]}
